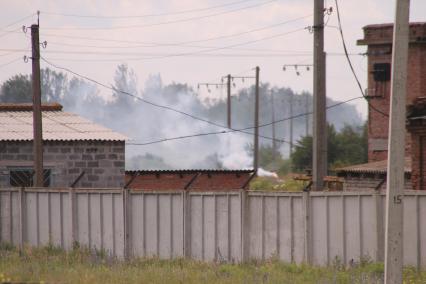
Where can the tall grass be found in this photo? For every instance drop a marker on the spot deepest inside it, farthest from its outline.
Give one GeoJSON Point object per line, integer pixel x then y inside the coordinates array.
{"type": "Point", "coordinates": [80, 265]}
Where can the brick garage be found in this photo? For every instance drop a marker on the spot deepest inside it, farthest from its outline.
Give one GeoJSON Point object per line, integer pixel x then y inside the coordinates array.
{"type": "Point", "coordinates": [371, 176]}
{"type": "Point", "coordinates": [72, 145]}
{"type": "Point", "coordinates": [205, 180]}
{"type": "Point", "coordinates": [378, 38]}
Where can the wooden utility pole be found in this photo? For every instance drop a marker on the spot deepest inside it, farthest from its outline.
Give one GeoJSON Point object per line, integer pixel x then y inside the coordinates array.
{"type": "Point", "coordinates": [256, 123]}
{"type": "Point", "coordinates": [396, 152]}
{"type": "Point", "coordinates": [274, 143]}
{"type": "Point", "coordinates": [228, 106]}
{"type": "Point", "coordinates": [37, 122]}
{"type": "Point", "coordinates": [319, 167]}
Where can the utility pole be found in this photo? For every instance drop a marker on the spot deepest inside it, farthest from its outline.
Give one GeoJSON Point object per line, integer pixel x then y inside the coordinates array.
{"type": "Point", "coordinates": [319, 167]}
{"type": "Point", "coordinates": [228, 89]}
{"type": "Point", "coordinates": [307, 116]}
{"type": "Point", "coordinates": [291, 124]}
{"type": "Point", "coordinates": [396, 153]}
{"type": "Point", "coordinates": [37, 122]}
{"type": "Point", "coordinates": [274, 143]}
{"type": "Point", "coordinates": [256, 123]}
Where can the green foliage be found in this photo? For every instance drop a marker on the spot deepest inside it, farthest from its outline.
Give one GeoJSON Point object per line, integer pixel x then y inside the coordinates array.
{"type": "Point", "coordinates": [272, 184]}
{"type": "Point", "coordinates": [349, 146]}
{"type": "Point", "coordinates": [16, 90]}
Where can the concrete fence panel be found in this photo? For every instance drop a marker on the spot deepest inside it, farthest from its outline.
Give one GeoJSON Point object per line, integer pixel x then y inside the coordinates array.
{"type": "Point", "coordinates": [317, 227]}
{"type": "Point", "coordinates": [156, 224]}
{"type": "Point", "coordinates": [215, 226]}
{"type": "Point", "coordinates": [9, 216]}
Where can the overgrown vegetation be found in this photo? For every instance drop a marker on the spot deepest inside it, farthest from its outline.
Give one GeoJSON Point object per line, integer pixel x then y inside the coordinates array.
{"type": "Point", "coordinates": [348, 146]}
{"type": "Point", "coordinates": [52, 265]}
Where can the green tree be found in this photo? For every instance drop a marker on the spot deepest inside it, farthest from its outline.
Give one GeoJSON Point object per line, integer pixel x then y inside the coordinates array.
{"type": "Point", "coordinates": [16, 90]}
{"type": "Point", "coordinates": [349, 146]}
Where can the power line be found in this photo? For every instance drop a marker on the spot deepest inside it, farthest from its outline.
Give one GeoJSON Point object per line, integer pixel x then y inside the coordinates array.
{"type": "Point", "coordinates": [17, 21]}
{"type": "Point", "coordinates": [132, 95]}
{"type": "Point", "coordinates": [237, 130]}
{"type": "Point", "coordinates": [155, 44]}
{"type": "Point", "coordinates": [216, 48]}
{"type": "Point", "coordinates": [351, 66]}
{"type": "Point", "coordinates": [145, 15]}
{"type": "Point", "coordinates": [10, 62]}
{"type": "Point", "coordinates": [160, 44]}
{"type": "Point", "coordinates": [165, 22]}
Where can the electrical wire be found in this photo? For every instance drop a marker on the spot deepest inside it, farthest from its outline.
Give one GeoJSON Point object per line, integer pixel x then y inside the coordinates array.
{"type": "Point", "coordinates": [155, 44]}
{"type": "Point", "coordinates": [18, 21]}
{"type": "Point", "coordinates": [145, 15]}
{"type": "Point", "coordinates": [351, 66]}
{"type": "Point", "coordinates": [235, 130]}
{"type": "Point", "coordinates": [206, 50]}
{"type": "Point", "coordinates": [10, 62]}
{"type": "Point", "coordinates": [165, 22]}
{"type": "Point", "coordinates": [188, 114]}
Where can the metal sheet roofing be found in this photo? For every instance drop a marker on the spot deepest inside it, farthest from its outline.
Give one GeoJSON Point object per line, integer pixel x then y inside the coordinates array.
{"type": "Point", "coordinates": [379, 167]}
{"type": "Point", "coordinates": [189, 171]}
{"type": "Point", "coordinates": [57, 126]}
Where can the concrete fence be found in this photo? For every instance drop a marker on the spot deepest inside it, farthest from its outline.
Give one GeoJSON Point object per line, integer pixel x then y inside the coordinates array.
{"type": "Point", "coordinates": [317, 227]}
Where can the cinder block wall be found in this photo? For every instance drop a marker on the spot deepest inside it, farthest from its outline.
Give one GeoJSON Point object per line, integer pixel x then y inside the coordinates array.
{"type": "Point", "coordinates": [378, 38]}
{"type": "Point", "coordinates": [102, 162]}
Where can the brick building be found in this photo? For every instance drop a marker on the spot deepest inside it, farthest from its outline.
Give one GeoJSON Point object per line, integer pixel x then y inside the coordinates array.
{"type": "Point", "coordinates": [73, 148]}
{"type": "Point", "coordinates": [378, 39]}
{"type": "Point", "coordinates": [205, 180]}
{"type": "Point", "coordinates": [372, 175]}
{"type": "Point", "coordinates": [416, 126]}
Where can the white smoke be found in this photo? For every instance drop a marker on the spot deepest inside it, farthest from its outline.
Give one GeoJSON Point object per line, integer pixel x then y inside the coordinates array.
{"type": "Point", "coordinates": [264, 173]}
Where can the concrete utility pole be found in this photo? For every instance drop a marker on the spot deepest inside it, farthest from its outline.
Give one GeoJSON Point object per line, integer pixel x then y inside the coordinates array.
{"type": "Point", "coordinates": [307, 116]}
{"type": "Point", "coordinates": [256, 123]}
{"type": "Point", "coordinates": [274, 143]}
{"type": "Point", "coordinates": [319, 167]}
{"type": "Point", "coordinates": [228, 106]}
{"type": "Point", "coordinates": [291, 124]}
{"type": "Point", "coordinates": [37, 122]}
{"type": "Point", "coordinates": [396, 153]}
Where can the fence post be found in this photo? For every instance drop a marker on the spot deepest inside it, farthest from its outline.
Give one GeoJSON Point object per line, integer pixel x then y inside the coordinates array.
{"type": "Point", "coordinates": [21, 217]}
{"type": "Point", "coordinates": [307, 226]}
{"type": "Point", "coordinates": [380, 242]}
{"type": "Point", "coordinates": [126, 224]}
{"type": "Point", "coordinates": [244, 226]}
{"type": "Point", "coordinates": [187, 223]}
{"type": "Point", "coordinates": [72, 221]}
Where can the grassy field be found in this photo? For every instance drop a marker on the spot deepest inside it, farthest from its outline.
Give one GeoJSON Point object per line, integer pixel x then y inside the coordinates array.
{"type": "Point", "coordinates": [51, 265]}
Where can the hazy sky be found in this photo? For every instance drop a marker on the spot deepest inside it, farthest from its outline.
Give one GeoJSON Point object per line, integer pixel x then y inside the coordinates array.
{"type": "Point", "coordinates": [171, 36]}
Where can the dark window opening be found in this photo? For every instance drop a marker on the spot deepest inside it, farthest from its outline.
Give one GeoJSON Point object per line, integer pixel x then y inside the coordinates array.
{"type": "Point", "coordinates": [382, 72]}
{"type": "Point", "coordinates": [25, 177]}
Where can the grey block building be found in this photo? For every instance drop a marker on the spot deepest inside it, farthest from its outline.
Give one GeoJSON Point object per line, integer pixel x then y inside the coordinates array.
{"type": "Point", "coordinates": [75, 150]}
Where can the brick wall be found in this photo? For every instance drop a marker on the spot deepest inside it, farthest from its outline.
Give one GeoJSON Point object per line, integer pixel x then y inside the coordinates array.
{"type": "Point", "coordinates": [370, 182]}
{"type": "Point", "coordinates": [379, 41]}
{"type": "Point", "coordinates": [102, 162]}
{"type": "Point", "coordinates": [179, 180]}
{"type": "Point", "coordinates": [418, 155]}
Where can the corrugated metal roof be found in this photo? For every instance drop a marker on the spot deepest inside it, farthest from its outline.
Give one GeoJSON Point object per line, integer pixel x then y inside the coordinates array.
{"type": "Point", "coordinates": [189, 171]}
{"type": "Point", "coordinates": [57, 126]}
{"type": "Point", "coordinates": [379, 167]}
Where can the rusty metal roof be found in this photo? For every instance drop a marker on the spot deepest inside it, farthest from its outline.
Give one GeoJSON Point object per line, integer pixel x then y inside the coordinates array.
{"type": "Point", "coordinates": [189, 171]}
{"type": "Point", "coordinates": [379, 167]}
{"type": "Point", "coordinates": [57, 126]}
